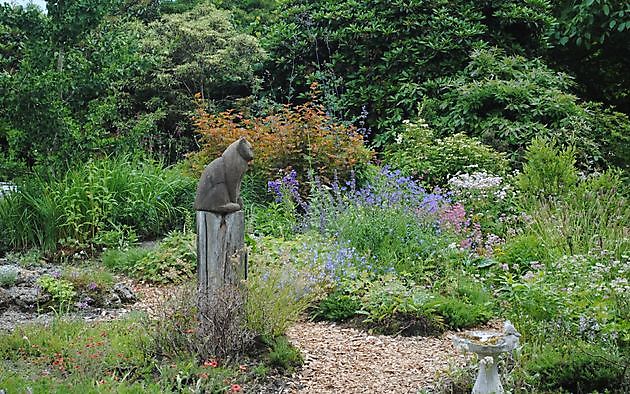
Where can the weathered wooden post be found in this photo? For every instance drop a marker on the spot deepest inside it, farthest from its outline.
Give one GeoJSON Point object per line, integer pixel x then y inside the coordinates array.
{"type": "Point", "coordinates": [221, 255]}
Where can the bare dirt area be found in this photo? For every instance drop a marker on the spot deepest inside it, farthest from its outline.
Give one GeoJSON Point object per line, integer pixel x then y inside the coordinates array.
{"type": "Point", "coordinates": [347, 360]}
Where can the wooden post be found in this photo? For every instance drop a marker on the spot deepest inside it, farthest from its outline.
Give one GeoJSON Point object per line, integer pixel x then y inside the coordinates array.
{"type": "Point", "coordinates": [221, 254]}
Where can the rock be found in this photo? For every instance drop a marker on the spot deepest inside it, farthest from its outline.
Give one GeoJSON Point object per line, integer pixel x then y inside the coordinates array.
{"type": "Point", "coordinates": [124, 293]}
{"type": "Point", "coordinates": [28, 298]}
{"type": "Point", "coordinates": [111, 300]}
{"type": "Point", "coordinates": [27, 277]}
{"type": "Point", "coordinates": [5, 299]}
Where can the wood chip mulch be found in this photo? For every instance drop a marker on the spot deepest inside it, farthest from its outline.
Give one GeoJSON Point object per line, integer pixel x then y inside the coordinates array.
{"type": "Point", "coordinates": [347, 360]}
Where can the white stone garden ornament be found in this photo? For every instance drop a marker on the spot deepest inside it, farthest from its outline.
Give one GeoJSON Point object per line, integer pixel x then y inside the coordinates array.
{"type": "Point", "coordinates": [488, 345]}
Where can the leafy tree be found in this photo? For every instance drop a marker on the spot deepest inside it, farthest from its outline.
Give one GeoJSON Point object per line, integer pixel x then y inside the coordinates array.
{"type": "Point", "coordinates": [52, 115]}
{"type": "Point", "coordinates": [374, 55]}
{"type": "Point", "coordinates": [198, 51]}
{"type": "Point", "coordinates": [506, 101]}
{"type": "Point", "coordinates": [592, 43]}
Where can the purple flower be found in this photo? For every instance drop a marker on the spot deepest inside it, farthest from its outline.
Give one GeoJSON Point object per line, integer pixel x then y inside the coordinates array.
{"type": "Point", "coordinates": [56, 274]}
{"type": "Point", "coordinates": [92, 286]}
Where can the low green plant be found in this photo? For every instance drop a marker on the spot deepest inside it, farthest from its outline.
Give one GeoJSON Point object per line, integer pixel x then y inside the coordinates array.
{"type": "Point", "coordinates": [62, 291]}
{"type": "Point", "coordinates": [283, 355]}
{"type": "Point", "coordinates": [336, 306]}
{"type": "Point", "coordinates": [174, 259]}
{"type": "Point", "coordinates": [576, 366]}
{"type": "Point", "coordinates": [489, 201]}
{"type": "Point", "coordinates": [8, 275]}
{"type": "Point", "coordinates": [393, 238]}
{"type": "Point", "coordinates": [101, 203]}
{"type": "Point", "coordinates": [276, 297]}
{"type": "Point", "coordinates": [123, 260]}
{"type": "Point", "coordinates": [521, 251]}
{"type": "Point", "coordinates": [592, 216]}
{"type": "Point", "coordinates": [458, 313]}
{"type": "Point", "coordinates": [272, 219]}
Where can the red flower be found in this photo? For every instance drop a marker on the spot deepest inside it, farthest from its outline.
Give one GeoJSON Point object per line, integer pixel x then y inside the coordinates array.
{"type": "Point", "coordinates": [235, 388]}
{"type": "Point", "coordinates": [211, 363]}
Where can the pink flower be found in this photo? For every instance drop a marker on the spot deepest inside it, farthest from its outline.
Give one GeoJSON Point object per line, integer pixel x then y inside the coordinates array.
{"type": "Point", "coordinates": [211, 363]}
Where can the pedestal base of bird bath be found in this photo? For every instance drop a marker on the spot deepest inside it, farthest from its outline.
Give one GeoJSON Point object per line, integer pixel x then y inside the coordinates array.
{"type": "Point", "coordinates": [488, 380]}
{"type": "Point", "coordinates": [488, 345]}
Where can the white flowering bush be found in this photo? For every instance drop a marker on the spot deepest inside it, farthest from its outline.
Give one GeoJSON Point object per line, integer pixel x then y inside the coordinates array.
{"type": "Point", "coordinates": [489, 198]}
{"type": "Point", "coordinates": [419, 152]}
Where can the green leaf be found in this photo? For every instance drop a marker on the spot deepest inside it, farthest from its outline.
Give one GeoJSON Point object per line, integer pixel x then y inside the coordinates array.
{"type": "Point", "coordinates": [612, 23]}
{"type": "Point", "coordinates": [485, 263]}
{"type": "Point", "coordinates": [606, 9]}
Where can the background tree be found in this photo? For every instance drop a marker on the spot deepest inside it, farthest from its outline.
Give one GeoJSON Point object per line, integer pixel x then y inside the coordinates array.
{"type": "Point", "coordinates": [592, 42]}
{"type": "Point", "coordinates": [373, 55]}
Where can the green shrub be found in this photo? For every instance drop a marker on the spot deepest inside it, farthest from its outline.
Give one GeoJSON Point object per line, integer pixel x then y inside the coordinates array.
{"type": "Point", "coordinates": [91, 201]}
{"type": "Point", "coordinates": [548, 171]}
{"type": "Point", "coordinates": [418, 152]}
{"type": "Point", "coordinates": [284, 355]}
{"type": "Point", "coordinates": [337, 306]}
{"type": "Point", "coordinates": [576, 367]}
{"type": "Point", "coordinates": [370, 58]}
{"type": "Point", "coordinates": [507, 101]}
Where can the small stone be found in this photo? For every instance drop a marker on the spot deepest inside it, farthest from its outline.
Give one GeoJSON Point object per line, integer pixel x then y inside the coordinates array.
{"type": "Point", "coordinates": [5, 300]}
{"type": "Point", "coordinates": [124, 293]}
{"type": "Point", "coordinates": [112, 300]}
{"type": "Point", "coordinates": [28, 298]}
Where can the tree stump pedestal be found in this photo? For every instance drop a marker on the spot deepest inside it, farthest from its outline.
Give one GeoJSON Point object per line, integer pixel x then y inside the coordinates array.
{"type": "Point", "coordinates": [221, 254]}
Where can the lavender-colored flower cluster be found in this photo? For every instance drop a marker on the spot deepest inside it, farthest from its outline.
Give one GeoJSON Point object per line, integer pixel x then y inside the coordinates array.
{"type": "Point", "coordinates": [83, 303]}
{"type": "Point", "coordinates": [285, 187]}
{"type": "Point", "coordinates": [391, 189]}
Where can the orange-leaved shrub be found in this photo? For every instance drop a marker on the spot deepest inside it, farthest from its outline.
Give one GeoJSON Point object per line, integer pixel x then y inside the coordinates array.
{"type": "Point", "coordinates": [301, 138]}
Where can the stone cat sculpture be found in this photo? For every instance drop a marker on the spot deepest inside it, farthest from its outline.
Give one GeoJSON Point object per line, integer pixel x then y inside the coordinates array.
{"type": "Point", "coordinates": [219, 188]}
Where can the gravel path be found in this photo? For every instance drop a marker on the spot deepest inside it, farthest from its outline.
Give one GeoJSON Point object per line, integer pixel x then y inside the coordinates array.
{"type": "Point", "coordinates": [346, 360]}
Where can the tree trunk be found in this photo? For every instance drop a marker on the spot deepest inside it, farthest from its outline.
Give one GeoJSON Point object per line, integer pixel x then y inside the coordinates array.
{"type": "Point", "coordinates": [221, 254]}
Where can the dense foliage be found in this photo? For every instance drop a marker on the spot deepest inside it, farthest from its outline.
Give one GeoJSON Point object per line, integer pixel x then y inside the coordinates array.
{"type": "Point", "coordinates": [302, 138]}
{"type": "Point", "coordinates": [506, 101]}
{"type": "Point", "coordinates": [373, 55]}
